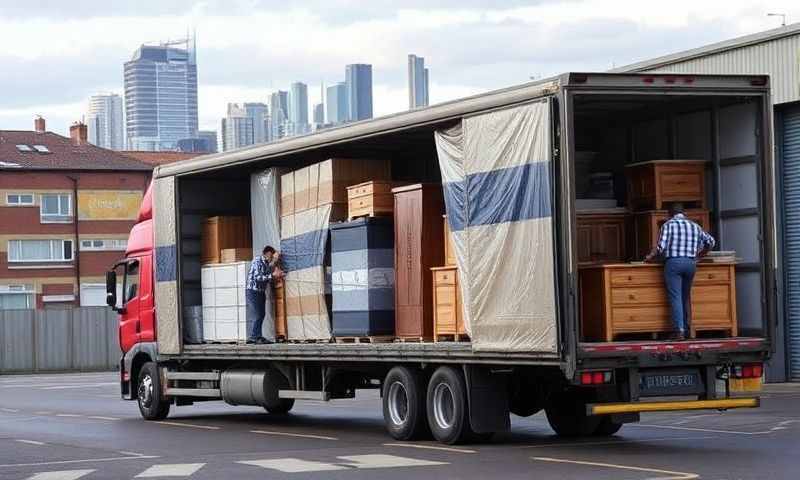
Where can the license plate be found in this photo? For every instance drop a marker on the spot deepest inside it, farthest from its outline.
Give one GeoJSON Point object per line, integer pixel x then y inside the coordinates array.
{"type": "Point", "coordinates": [670, 382]}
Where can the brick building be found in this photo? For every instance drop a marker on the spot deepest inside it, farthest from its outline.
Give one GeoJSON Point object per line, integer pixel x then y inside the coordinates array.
{"type": "Point", "coordinates": [66, 208]}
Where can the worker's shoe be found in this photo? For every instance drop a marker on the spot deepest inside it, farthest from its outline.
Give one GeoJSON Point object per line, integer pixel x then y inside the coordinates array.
{"type": "Point", "coordinates": [262, 341]}
{"type": "Point", "coordinates": [677, 337]}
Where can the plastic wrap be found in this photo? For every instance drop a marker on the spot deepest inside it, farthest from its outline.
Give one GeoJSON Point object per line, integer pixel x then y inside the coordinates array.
{"type": "Point", "coordinates": [265, 203]}
{"type": "Point", "coordinates": [497, 175]}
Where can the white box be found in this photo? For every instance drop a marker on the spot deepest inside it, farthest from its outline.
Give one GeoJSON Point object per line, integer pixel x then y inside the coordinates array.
{"type": "Point", "coordinates": [226, 297]}
{"type": "Point", "coordinates": [227, 314]}
{"type": "Point", "coordinates": [207, 277]}
{"type": "Point", "coordinates": [225, 275]}
{"type": "Point", "coordinates": [207, 297]}
{"type": "Point", "coordinates": [243, 333]}
{"type": "Point", "coordinates": [227, 330]}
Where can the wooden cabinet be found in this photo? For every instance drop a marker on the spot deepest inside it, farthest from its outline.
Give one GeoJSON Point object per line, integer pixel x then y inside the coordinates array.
{"type": "Point", "coordinates": [602, 237]}
{"type": "Point", "coordinates": [370, 199]}
{"type": "Point", "coordinates": [448, 318]}
{"type": "Point", "coordinates": [220, 233]}
{"type": "Point", "coordinates": [648, 226]}
{"type": "Point", "coordinates": [622, 299]}
{"type": "Point", "coordinates": [418, 244]}
{"type": "Point", "coordinates": [449, 251]}
{"type": "Point", "coordinates": [654, 184]}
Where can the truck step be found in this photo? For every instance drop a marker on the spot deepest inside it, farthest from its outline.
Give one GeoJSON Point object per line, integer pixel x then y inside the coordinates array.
{"type": "Point", "coordinates": [212, 376]}
{"type": "Point", "coordinates": [305, 395]}
{"type": "Point", "coordinates": [194, 392]}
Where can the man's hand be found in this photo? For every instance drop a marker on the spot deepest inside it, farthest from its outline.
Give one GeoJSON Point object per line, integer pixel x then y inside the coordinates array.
{"type": "Point", "coordinates": [277, 274]}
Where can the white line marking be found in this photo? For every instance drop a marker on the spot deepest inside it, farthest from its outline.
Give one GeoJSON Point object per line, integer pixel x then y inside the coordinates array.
{"type": "Point", "coordinates": [125, 452]}
{"type": "Point", "coordinates": [190, 425]}
{"type": "Point", "coordinates": [65, 462]}
{"type": "Point", "coordinates": [43, 412]}
{"type": "Point", "coordinates": [694, 429]}
{"type": "Point", "coordinates": [98, 417]}
{"type": "Point", "coordinates": [68, 415]}
{"type": "Point", "coordinates": [30, 442]}
{"type": "Point", "coordinates": [430, 447]}
{"type": "Point", "coordinates": [84, 385]}
{"type": "Point", "coordinates": [672, 475]}
{"type": "Point", "coordinates": [288, 434]}
{"type": "Point", "coordinates": [10, 410]}
{"type": "Point", "coordinates": [612, 442]}
{"type": "Point", "coordinates": [294, 465]}
{"type": "Point", "coordinates": [380, 460]}
{"type": "Point", "coordinates": [62, 475]}
{"type": "Point", "coordinates": [171, 470]}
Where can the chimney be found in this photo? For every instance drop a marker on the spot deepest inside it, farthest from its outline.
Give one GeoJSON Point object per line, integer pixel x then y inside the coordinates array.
{"type": "Point", "coordinates": [38, 124]}
{"type": "Point", "coordinates": [78, 133]}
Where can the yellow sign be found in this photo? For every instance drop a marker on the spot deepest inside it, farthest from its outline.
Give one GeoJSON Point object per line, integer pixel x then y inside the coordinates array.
{"type": "Point", "coordinates": [108, 204]}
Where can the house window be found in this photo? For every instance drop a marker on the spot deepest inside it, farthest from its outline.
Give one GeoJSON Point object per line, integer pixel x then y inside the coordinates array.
{"type": "Point", "coordinates": [39, 250]}
{"type": "Point", "coordinates": [103, 244]}
{"type": "Point", "coordinates": [19, 199]}
{"type": "Point", "coordinates": [56, 208]}
{"type": "Point", "coordinates": [16, 297]}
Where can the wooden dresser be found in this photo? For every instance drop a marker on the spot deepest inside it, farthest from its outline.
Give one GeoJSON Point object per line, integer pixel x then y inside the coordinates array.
{"type": "Point", "coordinates": [626, 298]}
{"type": "Point", "coordinates": [648, 226]}
{"type": "Point", "coordinates": [448, 319]}
{"type": "Point", "coordinates": [654, 184]}
{"type": "Point", "coordinates": [602, 236]}
{"type": "Point", "coordinates": [370, 199]}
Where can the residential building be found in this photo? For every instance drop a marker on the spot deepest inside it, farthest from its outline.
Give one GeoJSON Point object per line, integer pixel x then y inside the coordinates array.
{"type": "Point", "coordinates": [417, 82]}
{"type": "Point", "coordinates": [298, 108]}
{"type": "Point", "coordinates": [358, 78]}
{"type": "Point", "coordinates": [236, 128]}
{"type": "Point", "coordinates": [67, 208]}
{"type": "Point", "coordinates": [336, 103]}
{"type": "Point", "coordinates": [161, 96]}
{"type": "Point", "coordinates": [279, 113]}
{"type": "Point", "coordinates": [104, 121]}
{"type": "Point", "coordinates": [211, 139]}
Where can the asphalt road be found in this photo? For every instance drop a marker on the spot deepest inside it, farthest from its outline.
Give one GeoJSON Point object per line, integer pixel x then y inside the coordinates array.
{"type": "Point", "coordinates": [69, 427]}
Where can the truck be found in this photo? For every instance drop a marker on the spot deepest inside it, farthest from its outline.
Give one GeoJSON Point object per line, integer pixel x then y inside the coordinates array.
{"type": "Point", "coordinates": [461, 391]}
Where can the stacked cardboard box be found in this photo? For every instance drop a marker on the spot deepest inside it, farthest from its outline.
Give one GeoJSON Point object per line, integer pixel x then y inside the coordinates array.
{"type": "Point", "coordinates": [311, 198]}
{"type": "Point", "coordinates": [220, 233]}
{"type": "Point", "coordinates": [224, 307]}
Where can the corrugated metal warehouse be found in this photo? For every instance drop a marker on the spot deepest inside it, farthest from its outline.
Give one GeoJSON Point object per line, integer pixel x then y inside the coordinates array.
{"type": "Point", "coordinates": [777, 53]}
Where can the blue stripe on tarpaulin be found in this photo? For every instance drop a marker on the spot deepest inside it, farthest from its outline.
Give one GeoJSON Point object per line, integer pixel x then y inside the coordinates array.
{"type": "Point", "coordinates": [166, 263]}
{"type": "Point", "coordinates": [500, 196]}
{"type": "Point", "coordinates": [362, 233]}
{"type": "Point", "coordinates": [363, 323]}
{"type": "Point", "coordinates": [305, 250]}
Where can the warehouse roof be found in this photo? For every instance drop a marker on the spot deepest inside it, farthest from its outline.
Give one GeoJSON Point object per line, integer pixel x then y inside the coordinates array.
{"type": "Point", "coordinates": [30, 150]}
{"type": "Point", "coordinates": [714, 48]}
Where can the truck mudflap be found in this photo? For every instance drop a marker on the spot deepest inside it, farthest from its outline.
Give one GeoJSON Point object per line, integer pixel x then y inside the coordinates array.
{"type": "Point", "coordinates": [667, 406]}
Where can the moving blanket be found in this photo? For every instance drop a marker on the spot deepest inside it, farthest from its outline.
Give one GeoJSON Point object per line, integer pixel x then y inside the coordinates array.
{"type": "Point", "coordinates": [265, 198]}
{"type": "Point", "coordinates": [496, 170]}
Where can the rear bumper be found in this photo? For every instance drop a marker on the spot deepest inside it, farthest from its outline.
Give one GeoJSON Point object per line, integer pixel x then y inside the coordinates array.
{"type": "Point", "coordinates": [718, 404]}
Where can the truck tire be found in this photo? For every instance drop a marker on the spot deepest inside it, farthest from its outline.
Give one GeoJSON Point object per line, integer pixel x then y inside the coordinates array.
{"type": "Point", "coordinates": [152, 405]}
{"type": "Point", "coordinates": [567, 417]}
{"type": "Point", "coordinates": [606, 428]}
{"type": "Point", "coordinates": [448, 414]}
{"type": "Point", "coordinates": [274, 382]}
{"type": "Point", "coordinates": [404, 404]}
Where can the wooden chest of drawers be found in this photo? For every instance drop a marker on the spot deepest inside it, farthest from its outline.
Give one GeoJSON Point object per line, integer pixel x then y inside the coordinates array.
{"type": "Point", "coordinates": [602, 237]}
{"type": "Point", "coordinates": [654, 184]}
{"type": "Point", "coordinates": [370, 199]}
{"type": "Point", "coordinates": [621, 299]}
{"type": "Point", "coordinates": [448, 319]}
{"type": "Point", "coordinates": [449, 252]}
{"type": "Point", "coordinates": [648, 225]}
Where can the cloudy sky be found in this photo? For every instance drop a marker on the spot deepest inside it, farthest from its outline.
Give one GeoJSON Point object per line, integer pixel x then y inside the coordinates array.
{"type": "Point", "coordinates": [54, 54]}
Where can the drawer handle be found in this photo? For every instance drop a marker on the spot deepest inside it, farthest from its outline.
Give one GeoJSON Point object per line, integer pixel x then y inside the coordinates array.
{"type": "Point", "coordinates": [631, 297]}
{"type": "Point", "coordinates": [710, 276]}
{"type": "Point", "coordinates": [630, 278]}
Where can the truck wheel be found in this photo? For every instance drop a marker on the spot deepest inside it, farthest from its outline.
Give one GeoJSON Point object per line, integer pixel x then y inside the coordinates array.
{"type": "Point", "coordinates": [404, 404]}
{"type": "Point", "coordinates": [273, 404]}
{"type": "Point", "coordinates": [448, 415]}
{"type": "Point", "coordinates": [606, 428]}
{"type": "Point", "coordinates": [567, 417]}
{"type": "Point", "coordinates": [152, 405]}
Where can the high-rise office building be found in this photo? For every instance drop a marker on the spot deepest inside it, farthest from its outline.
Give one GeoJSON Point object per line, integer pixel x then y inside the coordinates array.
{"type": "Point", "coordinates": [210, 136]}
{"type": "Point", "coordinates": [237, 128]}
{"type": "Point", "coordinates": [161, 96]}
{"type": "Point", "coordinates": [259, 113]}
{"type": "Point", "coordinates": [336, 103]}
{"type": "Point", "coordinates": [298, 108]}
{"type": "Point", "coordinates": [417, 82]}
{"type": "Point", "coordinates": [319, 114]}
{"type": "Point", "coordinates": [279, 113]}
{"type": "Point", "coordinates": [104, 121]}
{"type": "Point", "coordinates": [358, 78]}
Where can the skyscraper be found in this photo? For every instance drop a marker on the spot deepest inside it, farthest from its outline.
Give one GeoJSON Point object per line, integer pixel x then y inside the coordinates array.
{"type": "Point", "coordinates": [358, 78]}
{"type": "Point", "coordinates": [279, 113]}
{"type": "Point", "coordinates": [104, 121]}
{"type": "Point", "coordinates": [210, 136]}
{"type": "Point", "coordinates": [161, 96]}
{"type": "Point", "coordinates": [336, 103]}
{"type": "Point", "coordinates": [319, 114]}
{"type": "Point", "coordinates": [298, 108]}
{"type": "Point", "coordinates": [417, 82]}
{"type": "Point", "coordinates": [258, 112]}
{"type": "Point", "coordinates": [237, 128]}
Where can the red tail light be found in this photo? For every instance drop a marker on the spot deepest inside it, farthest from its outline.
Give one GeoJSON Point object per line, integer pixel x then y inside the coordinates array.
{"type": "Point", "coordinates": [586, 378]}
{"type": "Point", "coordinates": [596, 378]}
{"type": "Point", "coordinates": [750, 370]}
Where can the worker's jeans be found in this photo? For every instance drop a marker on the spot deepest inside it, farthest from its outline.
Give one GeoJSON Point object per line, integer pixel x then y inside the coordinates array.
{"type": "Point", "coordinates": [678, 277]}
{"type": "Point", "coordinates": [256, 308]}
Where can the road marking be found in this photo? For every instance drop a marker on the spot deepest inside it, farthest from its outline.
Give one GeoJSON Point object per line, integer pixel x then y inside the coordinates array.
{"type": "Point", "coordinates": [171, 470]}
{"type": "Point", "coordinates": [672, 475]}
{"type": "Point", "coordinates": [294, 465]}
{"type": "Point", "coordinates": [83, 385]}
{"type": "Point", "coordinates": [380, 460]}
{"type": "Point", "coordinates": [190, 425]}
{"type": "Point", "coordinates": [288, 434]}
{"type": "Point", "coordinates": [43, 412]}
{"type": "Point", "coordinates": [62, 475]}
{"type": "Point", "coordinates": [68, 415]}
{"type": "Point", "coordinates": [85, 460]}
{"type": "Point", "coordinates": [709, 430]}
{"type": "Point", "coordinates": [430, 447]}
{"type": "Point", "coordinates": [612, 442]}
{"type": "Point", "coordinates": [98, 417]}
{"type": "Point", "coordinates": [10, 410]}
{"type": "Point", "coordinates": [30, 442]}
{"type": "Point", "coordinates": [125, 452]}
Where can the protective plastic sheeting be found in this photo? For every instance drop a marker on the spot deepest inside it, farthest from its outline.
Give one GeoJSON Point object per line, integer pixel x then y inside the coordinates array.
{"type": "Point", "coordinates": [496, 170]}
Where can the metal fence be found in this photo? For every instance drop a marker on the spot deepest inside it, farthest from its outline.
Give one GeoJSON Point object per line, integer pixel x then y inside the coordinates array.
{"type": "Point", "coordinates": [77, 339]}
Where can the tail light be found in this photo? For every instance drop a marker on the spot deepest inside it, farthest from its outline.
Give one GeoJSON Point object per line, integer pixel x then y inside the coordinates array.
{"type": "Point", "coordinates": [750, 370]}
{"type": "Point", "coordinates": [596, 377]}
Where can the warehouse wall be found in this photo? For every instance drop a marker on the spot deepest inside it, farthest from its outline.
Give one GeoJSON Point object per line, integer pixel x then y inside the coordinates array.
{"type": "Point", "coordinates": [71, 339]}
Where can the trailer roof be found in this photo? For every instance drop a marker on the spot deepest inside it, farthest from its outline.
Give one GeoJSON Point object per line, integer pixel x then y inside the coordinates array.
{"type": "Point", "coordinates": [432, 115]}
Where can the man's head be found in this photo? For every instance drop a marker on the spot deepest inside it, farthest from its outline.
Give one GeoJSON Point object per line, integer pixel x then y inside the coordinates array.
{"type": "Point", "coordinates": [268, 251]}
{"type": "Point", "coordinates": [675, 209]}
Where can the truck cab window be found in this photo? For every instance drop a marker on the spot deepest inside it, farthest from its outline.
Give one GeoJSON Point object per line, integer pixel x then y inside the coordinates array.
{"type": "Point", "coordinates": [131, 281]}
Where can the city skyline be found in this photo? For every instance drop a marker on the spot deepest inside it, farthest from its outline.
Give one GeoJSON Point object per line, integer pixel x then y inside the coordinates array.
{"type": "Point", "coordinates": [105, 121]}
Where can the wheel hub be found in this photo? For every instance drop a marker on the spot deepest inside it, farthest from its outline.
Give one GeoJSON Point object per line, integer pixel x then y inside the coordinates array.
{"type": "Point", "coordinates": [398, 403]}
{"type": "Point", "coordinates": [443, 406]}
{"type": "Point", "coordinates": [146, 391]}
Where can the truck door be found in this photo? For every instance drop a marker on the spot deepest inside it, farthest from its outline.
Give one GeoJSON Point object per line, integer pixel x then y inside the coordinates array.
{"type": "Point", "coordinates": [129, 320]}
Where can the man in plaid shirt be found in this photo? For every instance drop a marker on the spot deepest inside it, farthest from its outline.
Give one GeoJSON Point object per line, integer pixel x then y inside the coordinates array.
{"type": "Point", "coordinates": [681, 242]}
{"type": "Point", "coordinates": [263, 270]}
